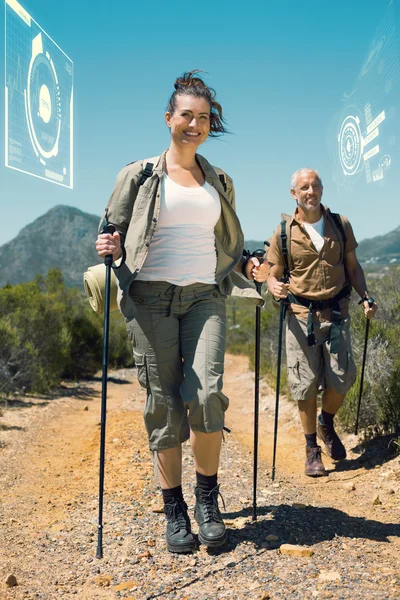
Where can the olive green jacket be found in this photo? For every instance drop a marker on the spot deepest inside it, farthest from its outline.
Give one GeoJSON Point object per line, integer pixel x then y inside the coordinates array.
{"type": "Point", "coordinates": [134, 210]}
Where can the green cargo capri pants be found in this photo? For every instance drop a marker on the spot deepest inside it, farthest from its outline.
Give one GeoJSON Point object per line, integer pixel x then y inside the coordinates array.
{"type": "Point", "coordinates": [178, 337]}
{"type": "Point", "coordinates": [312, 369]}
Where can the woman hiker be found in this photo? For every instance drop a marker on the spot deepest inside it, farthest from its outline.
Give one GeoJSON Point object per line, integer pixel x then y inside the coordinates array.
{"type": "Point", "coordinates": [178, 246]}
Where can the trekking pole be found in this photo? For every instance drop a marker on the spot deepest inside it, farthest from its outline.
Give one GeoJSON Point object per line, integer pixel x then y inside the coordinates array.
{"type": "Point", "coordinates": [259, 254]}
{"type": "Point", "coordinates": [108, 262]}
{"type": "Point", "coordinates": [282, 312]}
{"type": "Point", "coordinates": [370, 302]}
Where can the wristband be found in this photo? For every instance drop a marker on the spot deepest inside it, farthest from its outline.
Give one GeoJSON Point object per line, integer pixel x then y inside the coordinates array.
{"type": "Point", "coordinates": [121, 258]}
{"type": "Point", "coordinates": [368, 299]}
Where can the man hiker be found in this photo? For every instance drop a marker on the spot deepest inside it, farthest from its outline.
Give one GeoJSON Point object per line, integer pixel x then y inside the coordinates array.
{"type": "Point", "coordinates": [316, 250]}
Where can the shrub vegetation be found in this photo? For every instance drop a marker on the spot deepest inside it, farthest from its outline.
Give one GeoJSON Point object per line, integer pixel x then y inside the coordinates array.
{"type": "Point", "coordinates": [49, 332]}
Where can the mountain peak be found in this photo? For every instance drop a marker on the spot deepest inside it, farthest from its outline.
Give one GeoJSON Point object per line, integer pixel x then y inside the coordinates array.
{"type": "Point", "coordinates": [63, 237]}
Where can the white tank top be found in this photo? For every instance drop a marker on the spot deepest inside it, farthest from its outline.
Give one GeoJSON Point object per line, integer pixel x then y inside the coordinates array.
{"type": "Point", "coordinates": [182, 250]}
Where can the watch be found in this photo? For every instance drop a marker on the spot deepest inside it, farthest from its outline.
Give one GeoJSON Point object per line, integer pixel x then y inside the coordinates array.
{"type": "Point", "coordinates": [368, 299]}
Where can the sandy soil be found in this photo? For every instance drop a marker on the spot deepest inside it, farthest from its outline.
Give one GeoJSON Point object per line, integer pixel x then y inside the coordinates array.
{"type": "Point", "coordinates": [348, 522]}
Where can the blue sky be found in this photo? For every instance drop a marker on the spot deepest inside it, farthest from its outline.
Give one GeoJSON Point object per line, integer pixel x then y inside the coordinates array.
{"type": "Point", "coordinates": [280, 70]}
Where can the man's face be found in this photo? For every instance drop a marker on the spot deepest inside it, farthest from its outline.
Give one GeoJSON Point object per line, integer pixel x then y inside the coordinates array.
{"type": "Point", "coordinates": [307, 191]}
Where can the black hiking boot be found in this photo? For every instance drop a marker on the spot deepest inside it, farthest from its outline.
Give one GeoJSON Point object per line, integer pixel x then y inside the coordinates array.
{"type": "Point", "coordinates": [314, 466]}
{"type": "Point", "coordinates": [333, 445]}
{"type": "Point", "coordinates": [179, 534]}
{"type": "Point", "coordinates": [212, 530]}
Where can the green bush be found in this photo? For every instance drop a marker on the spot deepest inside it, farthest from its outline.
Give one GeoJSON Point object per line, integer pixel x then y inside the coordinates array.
{"type": "Point", "coordinates": [49, 332]}
{"type": "Point", "coordinates": [34, 335]}
{"type": "Point", "coordinates": [120, 354]}
{"type": "Point", "coordinates": [380, 402]}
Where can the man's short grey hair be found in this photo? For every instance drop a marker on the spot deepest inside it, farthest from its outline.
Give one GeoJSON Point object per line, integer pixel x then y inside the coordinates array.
{"type": "Point", "coordinates": [293, 181]}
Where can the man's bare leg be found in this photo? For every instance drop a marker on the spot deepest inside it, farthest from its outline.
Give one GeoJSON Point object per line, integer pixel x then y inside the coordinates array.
{"type": "Point", "coordinates": [308, 415]}
{"type": "Point", "coordinates": [331, 401]}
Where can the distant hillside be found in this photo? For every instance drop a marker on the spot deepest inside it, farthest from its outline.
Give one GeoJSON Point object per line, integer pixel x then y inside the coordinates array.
{"type": "Point", "coordinates": [64, 237]}
{"type": "Point", "coordinates": [380, 250]}
{"type": "Point", "coordinates": [252, 245]}
{"type": "Point", "coordinates": [383, 249]}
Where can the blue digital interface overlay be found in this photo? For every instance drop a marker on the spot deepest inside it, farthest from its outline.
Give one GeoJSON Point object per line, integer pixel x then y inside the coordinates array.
{"type": "Point", "coordinates": [38, 100]}
{"type": "Point", "coordinates": [363, 136]}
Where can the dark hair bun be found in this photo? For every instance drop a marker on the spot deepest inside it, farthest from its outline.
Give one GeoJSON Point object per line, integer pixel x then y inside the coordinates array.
{"type": "Point", "coordinates": [188, 80]}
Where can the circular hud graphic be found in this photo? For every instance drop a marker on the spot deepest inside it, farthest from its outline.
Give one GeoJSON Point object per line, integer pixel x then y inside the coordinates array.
{"type": "Point", "coordinates": [350, 145]}
{"type": "Point", "coordinates": [385, 162]}
{"type": "Point", "coordinates": [43, 102]}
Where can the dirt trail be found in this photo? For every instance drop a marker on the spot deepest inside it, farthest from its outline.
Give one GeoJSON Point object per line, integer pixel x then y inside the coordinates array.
{"type": "Point", "coordinates": [368, 468]}
{"type": "Point", "coordinates": [48, 506]}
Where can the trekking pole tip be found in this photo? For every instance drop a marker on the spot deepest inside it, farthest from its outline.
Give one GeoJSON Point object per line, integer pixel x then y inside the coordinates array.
{"type": "Point", "coordinates": [99, 552]}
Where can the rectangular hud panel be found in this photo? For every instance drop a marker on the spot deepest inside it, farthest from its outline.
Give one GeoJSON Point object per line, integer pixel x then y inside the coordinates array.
{"type": "Point", "coordinates": [38, 100]}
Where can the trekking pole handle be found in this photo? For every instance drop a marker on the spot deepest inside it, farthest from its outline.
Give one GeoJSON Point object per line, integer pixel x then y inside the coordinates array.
{"type": "Point", "coordinates": [259, 254]}
{"type": "Point", "coordinates": [109, 228]}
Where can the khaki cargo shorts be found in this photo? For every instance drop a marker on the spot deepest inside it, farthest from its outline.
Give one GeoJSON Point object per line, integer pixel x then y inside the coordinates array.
{"type": "Point", "coordinates": [312, 369]}
{"type": "Point", "coordinates": [178, 337]}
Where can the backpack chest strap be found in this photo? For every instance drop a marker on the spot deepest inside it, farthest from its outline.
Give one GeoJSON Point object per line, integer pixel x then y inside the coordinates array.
{"type": "Point", "coordinates": [333, 304]}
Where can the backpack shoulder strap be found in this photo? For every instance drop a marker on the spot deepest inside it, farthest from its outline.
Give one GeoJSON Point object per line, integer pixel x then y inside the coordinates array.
{"type": "Point", "coordinates": [146, 171]}
{"type": "Point", "coordinates": [338, 226]}
{"type": "Point", "coordinates": [284, 243]}
{"type": "Point", "coordinates": [222, 177]}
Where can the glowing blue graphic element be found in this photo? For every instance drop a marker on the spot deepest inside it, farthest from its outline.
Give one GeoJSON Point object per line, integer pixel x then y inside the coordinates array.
{"type": "Point", "coordinates": [350, 145]}
{"type": "Point", "coordinates": [38, 102]}
{"type": "Point", "coordinates": [385, 161]}
{"type": "Point", "coordinates": [363, 130]}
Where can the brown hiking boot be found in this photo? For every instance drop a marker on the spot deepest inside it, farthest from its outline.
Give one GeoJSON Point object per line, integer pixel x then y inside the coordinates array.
{"type": "Point", "coordinates": [314, 466]}
{"type": "Point", "coordinates": [333, 445]}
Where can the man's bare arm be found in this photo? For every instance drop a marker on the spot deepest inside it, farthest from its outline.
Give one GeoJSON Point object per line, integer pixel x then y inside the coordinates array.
{"type": "Point", "coordinates": [275, 286]}
{"type": "Point", "coordinates": [356, 278]}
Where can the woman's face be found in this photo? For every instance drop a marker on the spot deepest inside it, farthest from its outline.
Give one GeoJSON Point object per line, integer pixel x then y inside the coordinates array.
{"type": "Point", "coordinates": [190, 123]}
